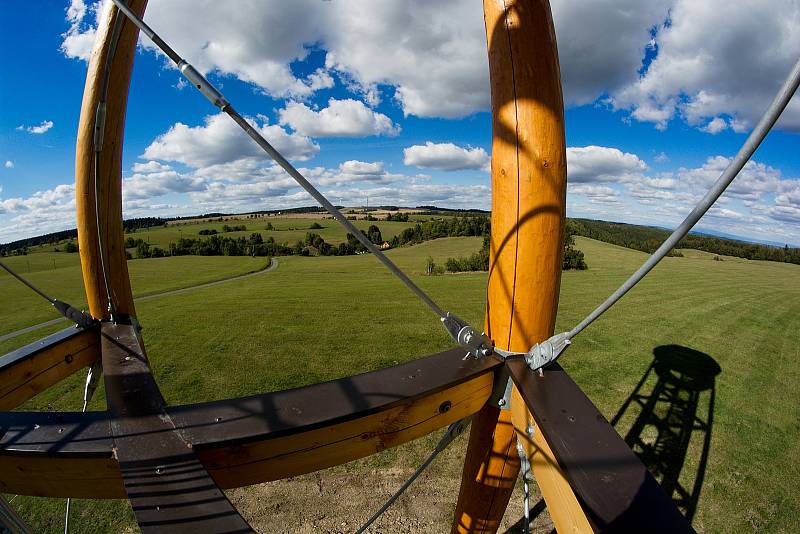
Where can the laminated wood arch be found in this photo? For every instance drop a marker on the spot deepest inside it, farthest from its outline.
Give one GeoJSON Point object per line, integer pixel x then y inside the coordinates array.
{"type": "Point", "coordinates": [172, 462]}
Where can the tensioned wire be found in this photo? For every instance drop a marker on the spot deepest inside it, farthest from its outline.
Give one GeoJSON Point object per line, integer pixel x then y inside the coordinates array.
{"type": "Point", "coordinates": [206, 88]}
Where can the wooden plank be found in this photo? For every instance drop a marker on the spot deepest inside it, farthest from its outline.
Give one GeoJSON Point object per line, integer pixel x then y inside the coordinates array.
{"type": "Point", "coordinates": [528, 207]}
{"type": "Point", "coordinates": [33, 368]}
{"type": "Point", "coordinates": [168, 487]}
{"type": "Point", "coordinates": [258, 438]}
{"type": "Point", "coordinates": [614, 488]}
{"type": "Point", "coordinates": [109, 169]}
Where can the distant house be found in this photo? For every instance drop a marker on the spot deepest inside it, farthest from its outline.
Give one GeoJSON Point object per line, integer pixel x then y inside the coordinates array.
{"type": "Point", "coordinates": [385, 245]}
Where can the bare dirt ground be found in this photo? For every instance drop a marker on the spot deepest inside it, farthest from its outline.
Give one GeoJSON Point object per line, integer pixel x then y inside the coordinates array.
{"type": "Point", "coordinates": [341, 499]}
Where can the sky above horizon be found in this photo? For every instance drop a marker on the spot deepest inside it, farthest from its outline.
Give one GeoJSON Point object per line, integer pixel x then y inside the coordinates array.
{"type": "Point", "coordinates": [387, 103]}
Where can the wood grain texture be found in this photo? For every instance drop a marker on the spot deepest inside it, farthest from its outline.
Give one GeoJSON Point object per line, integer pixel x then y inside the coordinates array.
{"type": "Point", "coordinates": [109, 169]}
{"type": "Point", "coordinates": [30, 370]}
{"type": "Point", "coordinates": [528, 208]}
{"type": "Point", "coordinates": [253, 439]}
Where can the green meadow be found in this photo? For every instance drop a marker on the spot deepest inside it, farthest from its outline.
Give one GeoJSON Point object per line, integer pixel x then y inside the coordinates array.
{"type": "Point", "coordinates": [321, 318]}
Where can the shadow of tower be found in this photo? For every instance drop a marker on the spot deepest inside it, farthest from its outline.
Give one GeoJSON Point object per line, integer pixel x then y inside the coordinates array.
{"type": "Point", "coordinates": [672, 419]}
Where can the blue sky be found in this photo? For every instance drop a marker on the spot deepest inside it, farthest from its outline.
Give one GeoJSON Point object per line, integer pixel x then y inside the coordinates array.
{"type": "Point", "coordinates": [388, 101]}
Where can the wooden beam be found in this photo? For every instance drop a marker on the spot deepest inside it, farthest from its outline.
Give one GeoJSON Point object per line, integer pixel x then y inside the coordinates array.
{"type": "Point", "coordinates": [33, 368]}
{"type": "Point", "coordinates": [253, 439]}
{"type": "Point", "coordinates": [109, 169]}
{"type": "Point", "coordinates": [528, 208]}
{"type": "Point", "coordinates": [589, 476]}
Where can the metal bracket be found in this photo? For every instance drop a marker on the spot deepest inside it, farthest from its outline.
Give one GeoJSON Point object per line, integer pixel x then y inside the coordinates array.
{"type": "Point", "coordinates": [501, 391]}
{"type": "Point", "coordinates": [540, 354]}
{"type": "Point", "coordinates": [478, 345]}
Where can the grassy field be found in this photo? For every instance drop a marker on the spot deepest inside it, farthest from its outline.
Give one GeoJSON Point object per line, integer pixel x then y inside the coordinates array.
{"type": "Point", "coordinates": [58, 274]}
{"type": "Point", "coordinates": [301, 324]}
{"type": "Point", "coordinates": [284, 230]}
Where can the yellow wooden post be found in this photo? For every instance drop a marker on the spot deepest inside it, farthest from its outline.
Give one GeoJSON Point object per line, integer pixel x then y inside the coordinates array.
{"type": "Point", "coordinates": [109, 169]}
{"type": "Point", "coordinates": [528, 209]}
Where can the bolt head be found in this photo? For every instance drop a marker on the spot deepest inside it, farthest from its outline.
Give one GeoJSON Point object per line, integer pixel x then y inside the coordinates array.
{"type": "Point", "coordinates": [501, 402]}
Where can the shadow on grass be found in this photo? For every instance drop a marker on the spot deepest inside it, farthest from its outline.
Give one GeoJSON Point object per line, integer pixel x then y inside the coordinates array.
{"type": "Point", "coordinates": [672, 421]}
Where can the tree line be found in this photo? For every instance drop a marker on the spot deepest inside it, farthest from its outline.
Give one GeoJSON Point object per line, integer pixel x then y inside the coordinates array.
{"type": "Point", "coordinates": [648, 239]}
{"type": "Point", "coordinates": [479, 261]}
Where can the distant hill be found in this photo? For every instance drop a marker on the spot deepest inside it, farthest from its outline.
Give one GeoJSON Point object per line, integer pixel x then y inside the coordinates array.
{"type": "Point", "coordinates": [649, 238]}
{"type": "Point", "coordinates": [644, 238]}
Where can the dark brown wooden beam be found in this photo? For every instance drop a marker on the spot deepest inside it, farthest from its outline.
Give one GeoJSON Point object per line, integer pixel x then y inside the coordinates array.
{"type": "Point", "coordinates": [33, 368]}
{"type": "Point", "coordinates": [614, 488]}
{"type": "Point", "coordinates": [168, 487]}
{"type": "Point", "coordinates": [253, 439]}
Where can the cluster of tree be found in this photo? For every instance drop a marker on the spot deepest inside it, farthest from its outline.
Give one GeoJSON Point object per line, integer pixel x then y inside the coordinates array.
{"type": "Point", "coordinates": [648, 239]}
{"type": "Point", "coordinates": [235, 228]}
{"type": "Point", "coordinates": [131, 225]}
{"type": "Point", "coordinates": [573, 258]}
{"type": "Point", "coordinates": [208, 231]}
{"type": "Point", "coordinates": [397, 217]}
{"type": "Point", "coordinates": [20, 247]}
{"type": "Point", "coordinates": [445, 227]}
{"type": "Point", "coordinates": [479, 261]}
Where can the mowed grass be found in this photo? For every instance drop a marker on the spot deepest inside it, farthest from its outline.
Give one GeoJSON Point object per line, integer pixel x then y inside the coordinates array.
{"type": "Point", "coordinates": [322, 318]}
{"type": "Point", "coordinates": [285, 230]}
{"type": "Point", "coordinates": [58, 274]}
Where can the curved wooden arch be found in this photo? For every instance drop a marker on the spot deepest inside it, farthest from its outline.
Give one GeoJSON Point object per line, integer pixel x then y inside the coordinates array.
{"type": "Point", "coordinates": [202, 448]}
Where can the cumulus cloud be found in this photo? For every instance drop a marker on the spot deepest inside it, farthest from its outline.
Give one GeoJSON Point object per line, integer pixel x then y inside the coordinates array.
{"type": "Point", "coordinates": [602, 164]}
{"type": "Point", "coordinates": [445, 157]}
{"type": "Point", "coordinates": [40, 129]}
{"type": "Point", "coordinates": [219, 140]}
{"type": "Point", "coordinates": [153, 179]}
{"type": "Point", "coordinates": [433, 55]}
{"type": "Point", "coordinates": [754, 180]}
{"type": "Point", "coordinates": [623, 26]}
{"type": "Point", "coordinates": [710, 67]}
{"type": "Point", "coordinates": [595, 193]}
{"type": "Point", "coordinates": [8, 165]}
{"type": "Point", "coordinates": [342, 118]}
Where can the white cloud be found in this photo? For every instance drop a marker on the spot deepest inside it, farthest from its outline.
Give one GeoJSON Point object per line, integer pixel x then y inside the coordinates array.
{"type": "Point", "coordinates": [342, 118]}
{"type": "Point", "coordinates": [661, 158]}
{"type": "Point", "coordinates": [40, 129]}
{"type": "Point", "coordinates": [622, 26]}
{"type": "Point", "coordinates": [754, 180]}
{"type": "Point", "coordinates": [445, 157]}
{"type": "Point", "coordinates": [717, 125]}
{"type": "Point", "coordinates": [150, 166]}
{"type": "Point", "coordinates": [83, 21]}
{"type": "Point", "coordinates": [8, 165]}
{"type": "Point", "coordinates": [602, 164]}
{"type": "Point", "coordinates": [219, 140]}
{"type": "Point", "coordinates": [595, 193]}
{"type": "Point", "coordinates": [153, 179]}
{"type": "Point", "coordinates": [434, 54]}
{"type": "Point", "coordinates": [708, 66]}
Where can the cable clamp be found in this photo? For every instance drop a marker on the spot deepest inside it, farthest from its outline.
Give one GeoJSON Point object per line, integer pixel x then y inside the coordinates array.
{"type": "Point", "coordinates": [541, 354]}
{"type": "Point", "coordinates": [81, 319]}
{"type": "Point", "coordinates": [478, 345]}
{"type": "Point", "coordinates": [199, 81]}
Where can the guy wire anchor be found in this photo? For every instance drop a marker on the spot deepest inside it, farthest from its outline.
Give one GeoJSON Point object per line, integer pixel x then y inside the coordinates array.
{"type": "Point", "coordinates": [478, 345]}
{"type": "Point", "coordinates": [81, 319]}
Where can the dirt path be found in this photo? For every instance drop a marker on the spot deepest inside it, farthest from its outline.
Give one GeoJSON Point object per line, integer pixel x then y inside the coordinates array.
{"type": "Point", "coordinates": [272, 266]}
{"type": "Point", "coordinates": [340, 499]}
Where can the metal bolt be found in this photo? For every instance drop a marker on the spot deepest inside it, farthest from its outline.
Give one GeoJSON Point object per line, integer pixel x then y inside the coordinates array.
{"type": "Point", "coordinates": [445, 407]}
{"type": "Point", "coordinates": [529, 429]}
{"type": "Point", "coordinates": [501, 402]}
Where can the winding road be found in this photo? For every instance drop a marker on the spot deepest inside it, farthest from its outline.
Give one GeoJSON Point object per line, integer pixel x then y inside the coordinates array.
{"type": "Point", "coordinates": [272, 266]}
